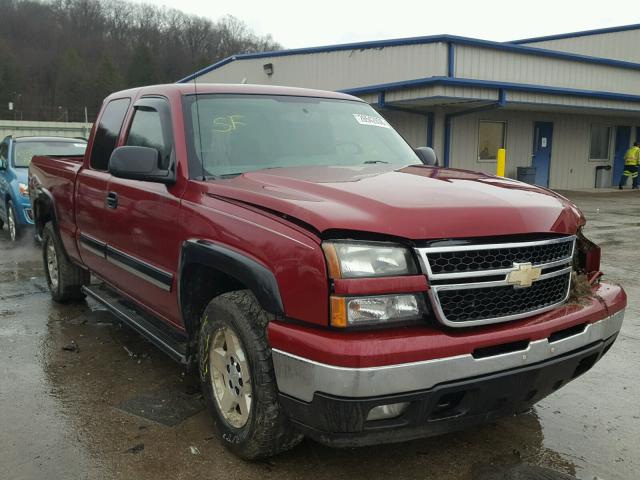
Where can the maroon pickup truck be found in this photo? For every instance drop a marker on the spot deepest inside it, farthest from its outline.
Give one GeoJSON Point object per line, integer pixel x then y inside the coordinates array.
{"type": "Point", "coordinates": [323, 278]}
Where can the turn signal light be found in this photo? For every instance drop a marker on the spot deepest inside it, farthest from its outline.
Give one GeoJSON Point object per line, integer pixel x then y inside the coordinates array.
{"type": "Point", "coordinates": [338, 312]}
{"type": "Point", "coordinates": [377, 310]}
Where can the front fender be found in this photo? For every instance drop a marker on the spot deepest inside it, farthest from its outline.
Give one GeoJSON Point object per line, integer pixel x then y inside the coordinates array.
{"type": "Point", "coordinates": [255, 276]}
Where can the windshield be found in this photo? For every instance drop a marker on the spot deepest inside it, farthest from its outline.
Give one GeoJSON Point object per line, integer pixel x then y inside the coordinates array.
{"type": "Point", "coordinates": [242, 133]}
{"type": "Point", "coordinates": [25, 151]}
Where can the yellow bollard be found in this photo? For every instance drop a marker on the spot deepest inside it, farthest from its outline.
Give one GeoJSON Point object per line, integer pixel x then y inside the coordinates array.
{"type": "Point", "coordinates": [502, 159]}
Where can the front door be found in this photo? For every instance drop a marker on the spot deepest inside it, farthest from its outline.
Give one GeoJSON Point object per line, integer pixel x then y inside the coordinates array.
{"type": "Point", "coordinates": [143, 240]}
{"type": "Point", "coordinates": [623, 140]}
{"type": "Point", "coordinates": [541, 158]}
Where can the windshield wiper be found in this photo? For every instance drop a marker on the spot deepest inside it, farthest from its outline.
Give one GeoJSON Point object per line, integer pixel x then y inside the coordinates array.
{"type": "Point", "coordinates": [374, 161]}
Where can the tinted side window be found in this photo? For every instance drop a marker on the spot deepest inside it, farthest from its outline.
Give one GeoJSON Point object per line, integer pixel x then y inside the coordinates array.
{"type": "Point", "coordinates": [4, 151]}
{"type": "Point", "coordinates": [146, 131]}
{"type": "Point", "coordinates": [107, 133]}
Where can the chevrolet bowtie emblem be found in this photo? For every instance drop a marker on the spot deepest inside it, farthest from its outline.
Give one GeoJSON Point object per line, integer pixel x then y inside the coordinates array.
{"type": "Point", "coordinates": [523, 274]}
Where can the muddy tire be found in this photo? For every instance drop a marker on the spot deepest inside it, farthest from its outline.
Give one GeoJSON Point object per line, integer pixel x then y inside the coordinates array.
{"type": "Point", "coordinates": [238, 380]}
{"type": "Point", "coordinates": [65, 279]}
{"type": "Point", "coordinates": [15, 232]}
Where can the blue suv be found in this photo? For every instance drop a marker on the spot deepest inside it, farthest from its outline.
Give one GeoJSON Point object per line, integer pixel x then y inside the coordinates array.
{"type": "Point", "coordinates": [15, 156]}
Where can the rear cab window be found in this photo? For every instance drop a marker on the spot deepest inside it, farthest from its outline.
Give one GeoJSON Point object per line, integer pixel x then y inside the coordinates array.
{"type": "Point", "coordinates": [107, 133]}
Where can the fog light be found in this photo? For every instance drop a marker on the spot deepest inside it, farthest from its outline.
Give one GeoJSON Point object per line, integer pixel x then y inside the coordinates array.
{"type": "Point", "coordinates": [385, 412]}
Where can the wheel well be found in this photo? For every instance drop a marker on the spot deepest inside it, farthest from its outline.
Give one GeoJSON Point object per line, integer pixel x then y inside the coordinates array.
{"type": "Point", "coordinates": [199, 284]}
{"type": "Point", "coordinates": [41, 214]}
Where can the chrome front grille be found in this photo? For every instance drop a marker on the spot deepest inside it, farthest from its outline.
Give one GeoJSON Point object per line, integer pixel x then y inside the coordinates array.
{"type": "Point", "coordinates": [466, 260]}
{"type": "Point", "coordinates": [478, 284]}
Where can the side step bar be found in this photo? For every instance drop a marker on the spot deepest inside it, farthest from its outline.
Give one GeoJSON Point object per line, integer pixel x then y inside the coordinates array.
{"type": "Point", "coordinates": [173, 343]}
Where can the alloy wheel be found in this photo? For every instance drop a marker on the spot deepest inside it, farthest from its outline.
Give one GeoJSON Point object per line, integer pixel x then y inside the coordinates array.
{"type": "Point", "coordinates": [52, 263]}
{"type": "Point", "coordinates": [230, 377]}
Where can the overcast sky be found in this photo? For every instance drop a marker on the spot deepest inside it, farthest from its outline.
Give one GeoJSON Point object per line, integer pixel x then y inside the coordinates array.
{"type": "Point", "coordinates": [324, 22]}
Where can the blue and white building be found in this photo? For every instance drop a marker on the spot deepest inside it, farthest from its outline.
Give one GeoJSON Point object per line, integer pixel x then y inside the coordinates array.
{"type": "Point", "coordinates": [564, 104]}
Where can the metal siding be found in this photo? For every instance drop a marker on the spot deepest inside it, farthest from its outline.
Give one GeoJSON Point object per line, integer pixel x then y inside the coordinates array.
{"type": "Point", "coordinates": [410, 94]}
{"type": "Point", "coordinates": [570, 165]}
{"type": "Point", "coordinates": [441, 91]}
{"type": "Point", "coordinates": [413, 127]}
{"type": "Point", "coordinates": [615, 45]}
{"type": "Point", "coordinates": [339, 69]}
{"type": "Point", "coordinates": [485, 64]}
{"type": "Point", "coordinates": [438, 134]}
{"type": "Point", "coordinates": [466, 92]}
{"type": "Point", "coordinates": [370, 98]}
{"type": "Point", "coordinates": [581, 102]}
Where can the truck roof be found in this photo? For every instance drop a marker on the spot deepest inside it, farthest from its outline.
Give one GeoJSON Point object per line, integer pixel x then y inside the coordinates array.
{"type": "Point", "coordinates": [207, 88]}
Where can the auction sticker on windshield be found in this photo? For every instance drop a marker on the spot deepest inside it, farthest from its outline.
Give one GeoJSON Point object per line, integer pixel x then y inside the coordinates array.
{"type": "Point", "coordinates": [371, 120]}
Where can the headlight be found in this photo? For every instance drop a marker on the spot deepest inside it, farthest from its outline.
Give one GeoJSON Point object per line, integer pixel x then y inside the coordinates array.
{"type": "Point", "coordinates": [376, 310]}
{"type": "Point", "coordinates": [23, 190]}
{"type": "Point", "coordinates": [352, 260]}
{"type": "Point", "coordinates": [359, 259]}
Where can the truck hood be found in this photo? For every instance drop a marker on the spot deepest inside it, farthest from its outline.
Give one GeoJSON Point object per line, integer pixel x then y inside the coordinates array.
{"type": "Point", "coordinates": [414, 202]}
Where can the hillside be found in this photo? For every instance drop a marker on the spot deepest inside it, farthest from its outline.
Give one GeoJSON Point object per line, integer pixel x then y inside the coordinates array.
{"type": "Point", "coordinates": [58, 57]}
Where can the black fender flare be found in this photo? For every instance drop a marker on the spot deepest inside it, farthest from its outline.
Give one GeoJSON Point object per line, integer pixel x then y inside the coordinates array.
{"type": "Point", "coordinates": [255, 276]}
{"type": "Point", "coordinates": [44, 197]}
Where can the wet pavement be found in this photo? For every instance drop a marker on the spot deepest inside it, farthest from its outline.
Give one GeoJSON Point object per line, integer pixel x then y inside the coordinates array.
{"type": "Point", "coordinates": [83, 397]}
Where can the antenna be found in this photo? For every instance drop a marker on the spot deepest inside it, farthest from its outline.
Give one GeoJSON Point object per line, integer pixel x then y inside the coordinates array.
{"type": "Point", "coordinates": [195, 87]}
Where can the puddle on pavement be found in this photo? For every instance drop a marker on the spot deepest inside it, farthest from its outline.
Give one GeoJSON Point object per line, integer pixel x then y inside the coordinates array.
{"type": "Point", "coordinates": [519, 471]}
{"type": "Point", "coordinates": [166, 406]}
{"type": "Point", "coordinates": [16, 272]}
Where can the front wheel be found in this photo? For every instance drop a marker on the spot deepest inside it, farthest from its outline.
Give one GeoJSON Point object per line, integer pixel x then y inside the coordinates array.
{"type": "Point", "coordinates": [12, 222]}
{"type": "Point", "coordinates": [65, 279]}
{"type": "Point", "coordinates": [238, 380]}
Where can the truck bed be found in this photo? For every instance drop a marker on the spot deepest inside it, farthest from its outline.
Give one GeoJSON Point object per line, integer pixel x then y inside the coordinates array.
{"type": "Point", "coordinates": [56, 176]}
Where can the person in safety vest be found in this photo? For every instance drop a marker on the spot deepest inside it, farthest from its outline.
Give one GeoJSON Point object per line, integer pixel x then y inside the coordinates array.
{"type": "Point", "coordinates": [631, 161]}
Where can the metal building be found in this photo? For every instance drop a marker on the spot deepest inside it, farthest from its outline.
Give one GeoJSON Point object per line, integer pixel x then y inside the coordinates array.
{"type": "Point", "coordinates": [564, 104]}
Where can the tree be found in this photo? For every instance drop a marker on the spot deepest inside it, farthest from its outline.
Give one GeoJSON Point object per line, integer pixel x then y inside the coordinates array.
{"type": "Point", "coordinates": [142, 69]}
{"type": "Point", "coordinates": [73, 53]}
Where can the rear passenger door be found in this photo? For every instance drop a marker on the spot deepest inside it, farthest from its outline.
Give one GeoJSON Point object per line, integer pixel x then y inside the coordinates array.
{"type": "Point", "coordinates": [143, 240]}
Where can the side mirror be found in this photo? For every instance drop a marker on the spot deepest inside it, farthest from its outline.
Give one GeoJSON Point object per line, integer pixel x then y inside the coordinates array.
{"type": "Point", "coordinates": [427, 155]}
{"type": "Point", "coordinates": [3, 163]}
{"type": "Point", "coordinates": [139, 163]}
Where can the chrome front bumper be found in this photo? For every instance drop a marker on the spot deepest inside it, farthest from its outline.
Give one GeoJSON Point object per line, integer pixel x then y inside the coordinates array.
{"type": "Point", "coordinates": [300, 378]}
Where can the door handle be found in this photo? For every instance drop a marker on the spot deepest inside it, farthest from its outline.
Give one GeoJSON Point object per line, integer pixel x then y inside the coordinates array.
{"type": "Point", "coordinates": [112, 200]}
